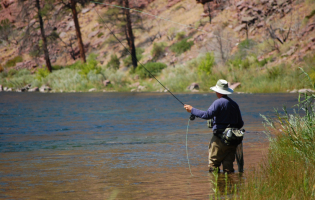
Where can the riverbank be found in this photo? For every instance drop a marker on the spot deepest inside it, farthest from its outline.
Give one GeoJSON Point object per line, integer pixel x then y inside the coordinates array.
{"type": "Point", "coordinates": [190, 77]}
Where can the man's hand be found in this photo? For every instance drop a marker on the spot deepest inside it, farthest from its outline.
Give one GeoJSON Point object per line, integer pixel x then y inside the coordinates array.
{"type": "Point", "coordinates": [188, 108]}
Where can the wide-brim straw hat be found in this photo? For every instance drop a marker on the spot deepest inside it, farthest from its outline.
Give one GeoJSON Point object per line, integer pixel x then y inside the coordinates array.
{"type": "Point", "coordinates": [222, 87]}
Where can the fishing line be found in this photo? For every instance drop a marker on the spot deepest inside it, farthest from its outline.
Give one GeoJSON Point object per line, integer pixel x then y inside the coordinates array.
{"type": "Point", "coordinates": [187, 148]}
{"type": "Point", "coordinates": [192, 117]}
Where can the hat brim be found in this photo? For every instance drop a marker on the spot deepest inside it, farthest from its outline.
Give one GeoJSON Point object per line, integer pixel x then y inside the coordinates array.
{"type": "Point", "coordinates": [221, 91]}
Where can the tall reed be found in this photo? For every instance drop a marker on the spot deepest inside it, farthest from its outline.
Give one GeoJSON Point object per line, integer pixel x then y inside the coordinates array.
{"type": "Point", "coordinates": [288, 171]}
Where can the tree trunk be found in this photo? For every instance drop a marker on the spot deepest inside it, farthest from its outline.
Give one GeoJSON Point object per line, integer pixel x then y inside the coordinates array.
{"type": "Point", "coordinates": [129, 35]}
{"type": "Point", "coordinates": [209, 11]}
{"type": "Point", "coordinates": [42, 31]}
{"type": "Point", "coordinates": [77, 29]}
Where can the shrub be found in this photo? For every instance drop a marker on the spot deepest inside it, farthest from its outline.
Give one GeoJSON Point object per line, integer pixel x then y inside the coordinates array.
{"type": "Point", "coordinates": [205, 66]}
{"type": "Point", "coordinates": [76, 65]}
{"type": "Point", "coordinates": [90, 65]}
{"type": "Point", "coordinates": [310, 15]}
{"type": "Point", "coordinates": [12, 72]}
{"type": "Point", "coordinates": [113, 62]}
{"type": "Point", "coordinates": [274, 72]}
{"type": "Point", "coordinates": [56, 67]}
{"type": "Point", "coordinates": [100, 35]}
{"type": "Point", "coordinates": [154, 67]}
{"type": "Point", "coordinates": [158, 50]}
{"type": "Point", "coordinates": [1, 68]}
{"type": "Point", "coordinates": [12, 62]}
{"type": "Point", "coordinates": [244, 47]}
{"type": "Point", "coordinates": [42, 73]}
{"type": "Point", "coordinates": [248, 62]}
{"type": "Point", "coordinates": [22, 72]}
{"type": "Point", "coordinates": [171, 33]}
{"type": "Point", "coordinates": [128, 60]}
{"type": "Point", "coordinates": [182, 46]}
{"type": "Point", "coordinates": [180, 35]}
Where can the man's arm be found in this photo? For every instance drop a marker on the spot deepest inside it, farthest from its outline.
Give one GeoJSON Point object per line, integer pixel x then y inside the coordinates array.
{"type": "Point", "coordinates": [209, 114]}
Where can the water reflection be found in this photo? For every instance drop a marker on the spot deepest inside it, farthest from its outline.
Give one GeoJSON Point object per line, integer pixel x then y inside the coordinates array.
{"type": "Point", "coordinates": [116, 145]}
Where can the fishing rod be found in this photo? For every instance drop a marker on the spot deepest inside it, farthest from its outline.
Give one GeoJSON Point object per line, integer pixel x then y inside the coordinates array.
{"type": "Point", "coordinates": [192, 117]}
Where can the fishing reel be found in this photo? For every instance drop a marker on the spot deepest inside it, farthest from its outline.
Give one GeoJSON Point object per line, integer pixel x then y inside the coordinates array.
{"type": "Point", "coordinates": [192, 117]}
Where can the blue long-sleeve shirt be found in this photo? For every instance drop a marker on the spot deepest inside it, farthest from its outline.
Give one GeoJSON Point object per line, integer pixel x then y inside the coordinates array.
{"type": "Point", "coordinates": [224, 112]}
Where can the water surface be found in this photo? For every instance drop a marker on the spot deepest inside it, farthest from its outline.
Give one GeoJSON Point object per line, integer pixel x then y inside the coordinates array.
{"type": "Point", "coordinates": [116, 145]}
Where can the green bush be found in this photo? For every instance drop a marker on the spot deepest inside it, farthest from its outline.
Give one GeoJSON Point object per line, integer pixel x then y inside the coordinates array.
{"type": "Point", "coordinates": [182, 46]}
{"type": "Point", "coordinates": [158, 50]}
{"type": "Point", "coordinates": [128, 60]}
{"type": "Point", "coordinates": [206, 64]}
{"type": "Point", "coordinates": [12, 72]}
{"type": "Point", "coordinates": [42, 73]}
{"type": "Point", "coordinates": [248, 62]}
{"type": "Point", "coordinates": [90, 65]}
{"type": "Point", "coordinates": [76, 65]}
{"type": "Point", "coordinates": [56, 67]}
{"type": "Point", "coordinates": [310, 15]}
{"type": "Point", "coordinates": [244, 48]}
{"type": "Point", "coordinates": [171, 33]}
{"type": "Point", "coordinates": [154, 67]}
{"type": "Point", "coordinates": [113, 62]}
{"type": "Point", "coordinates": [180, 35]}
{"type": "Point", "coordinates": [275, 72]}
{"type": "Point", "coordinates": [100, 35]}
{"type": "Point", "coordinates": [12, 62]}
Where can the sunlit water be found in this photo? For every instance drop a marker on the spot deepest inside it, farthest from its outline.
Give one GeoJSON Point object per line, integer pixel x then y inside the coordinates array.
{"type": "Point", "coordinates": [117, 145]}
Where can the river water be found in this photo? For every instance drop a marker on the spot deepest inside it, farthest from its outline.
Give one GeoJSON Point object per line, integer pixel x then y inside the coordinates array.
{"type": "Point", "coordinates": [117, 145]}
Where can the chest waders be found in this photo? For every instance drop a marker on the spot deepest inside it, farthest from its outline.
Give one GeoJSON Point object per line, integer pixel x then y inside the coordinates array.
{"type": "Point", "coordinates": [232, 136]}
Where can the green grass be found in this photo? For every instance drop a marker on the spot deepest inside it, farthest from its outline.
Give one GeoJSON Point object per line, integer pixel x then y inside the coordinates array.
{"type": "Point", "coordinates": [255, 76]}
{"type": "Point", "coordinates": [288, 172]}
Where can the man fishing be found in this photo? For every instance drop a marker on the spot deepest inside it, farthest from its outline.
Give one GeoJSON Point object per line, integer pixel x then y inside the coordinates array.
{"type": "Point", "coordinates": [225, 114]}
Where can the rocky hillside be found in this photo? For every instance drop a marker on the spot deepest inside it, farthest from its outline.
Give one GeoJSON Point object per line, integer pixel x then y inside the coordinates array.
{"type": "Point", "coordinates": [282, 30]}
